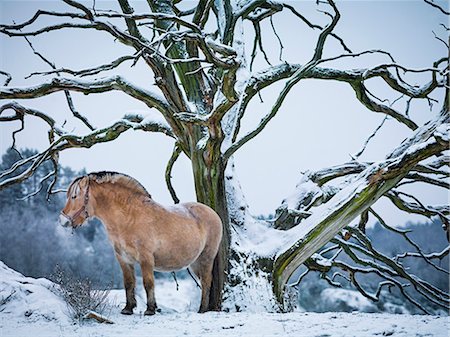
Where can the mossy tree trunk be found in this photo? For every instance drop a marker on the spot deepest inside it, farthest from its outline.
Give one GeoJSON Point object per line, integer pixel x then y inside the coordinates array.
{"type": "Point", "coordinates": [351, 202]}
{"type": "Point", "coordinates": [210, 190]}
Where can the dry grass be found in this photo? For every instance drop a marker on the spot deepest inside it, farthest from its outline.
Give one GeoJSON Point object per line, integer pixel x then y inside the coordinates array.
{"type": "Point", "coordinates": [80, 294]}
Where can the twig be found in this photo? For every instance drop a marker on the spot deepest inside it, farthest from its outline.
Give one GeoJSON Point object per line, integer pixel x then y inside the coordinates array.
{"type": "Point", "coordinates": [430, 2]}
{"type": "Point", "coordinates": [8, 78]}
{"type": "Point", "coordinates": [360, 152]}
{"type": "Point", "coordinates": [69, 99]}
{"type": "Point", "coordinates": [280, 57]}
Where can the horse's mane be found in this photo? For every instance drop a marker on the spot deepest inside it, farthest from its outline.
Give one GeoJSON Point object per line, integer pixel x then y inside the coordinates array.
{"type": "Point", "coordinates": [117, 178]}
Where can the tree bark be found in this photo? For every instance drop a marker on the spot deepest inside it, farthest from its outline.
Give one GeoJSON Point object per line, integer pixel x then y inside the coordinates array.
{"type": "Point", "coordinates": [210, 190]}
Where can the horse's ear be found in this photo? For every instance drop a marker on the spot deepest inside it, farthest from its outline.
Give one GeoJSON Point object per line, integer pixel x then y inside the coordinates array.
{"type": "Point", "coordinates": [83, 182]}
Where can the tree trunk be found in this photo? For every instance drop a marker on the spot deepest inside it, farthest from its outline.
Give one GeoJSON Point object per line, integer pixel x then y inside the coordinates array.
{"type": "Point", "coordinates": [210, 190]}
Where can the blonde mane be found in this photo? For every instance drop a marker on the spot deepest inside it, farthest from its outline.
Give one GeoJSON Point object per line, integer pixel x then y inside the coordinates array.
{"type": "Point", "coordinates": [120, 179]}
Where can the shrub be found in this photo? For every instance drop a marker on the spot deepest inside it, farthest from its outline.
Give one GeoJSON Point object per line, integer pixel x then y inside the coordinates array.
{"type": "Point", "coordinates": [80, 294]}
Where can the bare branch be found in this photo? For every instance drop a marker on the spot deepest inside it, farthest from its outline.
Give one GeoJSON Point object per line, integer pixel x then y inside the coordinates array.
{"type": "Point", "coordinates": [361, 94]}
{"type": "Point", "coordinates": [353, 77]}
{"type": "Point", "coordinates": [371, 268]}
{"type": "Point", "coordinates": [278, 38]}
{"type": "Point", "coordinates": [431, 2]}
{"type": "Point", "coordinates": [404, 234]}
{"type": "Point", "coordinates": [258, 43]}
{"type": "Point", "coordinates": [416, 207]}
{"type": "Point", "coordinates": [81, 7]}
{"type": "Point", "coordinates": [69, 99]}
{"type": "Point", "coordinates": [373, 134]}
{"type": "Point", "coordinates": [175, 154]}
{"type": "Point", "coordinates": [37, 15]}
{"type": "Point", "coordinates": [416, 177]}
{"type": "Point", "coordinates": [131, 23]}
{"type": "Point", "coordinates": [21, 111]}
{"type": "Point", "coordinates": [356, 198]}
{"type": "Point", "coordinates": [313, 26]}
{"type": "Point", "coordinates": [326, 32]}
{"type": "Point", "coordinates": [87, 87]}
{"type": "Point", "coordinates": [67, 141]}
{"type": "Point", "coordinates": [40, 186]}
{"type": "Point", "coordinates": [393, 268]}
{"type": "Point", "coordinates": [202, 12]}
{"type": "Point", "coordinates": [49, 29]}
{"type": "Point", "coordinates": [440, 255]}
{"type": "Point", "coordinates": [90, 71]}
{"type": "Point", "coordinates": [8, 77]}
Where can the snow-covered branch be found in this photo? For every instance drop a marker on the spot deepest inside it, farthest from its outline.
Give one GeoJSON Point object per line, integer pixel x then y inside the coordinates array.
{"type": "Point", "coordinates": [328, 219]}
{"type": "Point", "coordinates": [354, 77]}
{"type": "Point", "coordinates": [26, 167]}
{"type": "Point", "coordinates": [369, 260]}
{"type": "Point", "coordinates": [87, 87]}
{"type": "Point", "coordinates": [21, 111]}
{"type": "Point", "coordinates": [89, 71]}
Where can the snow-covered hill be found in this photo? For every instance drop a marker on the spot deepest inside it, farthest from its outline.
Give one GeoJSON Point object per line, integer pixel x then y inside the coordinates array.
{"type": "Point", "coordinates": [31, 307]}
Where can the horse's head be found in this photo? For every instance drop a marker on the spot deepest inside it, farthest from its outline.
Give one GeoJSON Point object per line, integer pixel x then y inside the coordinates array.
{"type": "Point", "coordinates": [76, 210]}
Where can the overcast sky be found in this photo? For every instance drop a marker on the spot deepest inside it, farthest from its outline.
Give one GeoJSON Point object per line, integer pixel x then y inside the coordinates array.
{"type": "Point", "coordinates": [320, 124]}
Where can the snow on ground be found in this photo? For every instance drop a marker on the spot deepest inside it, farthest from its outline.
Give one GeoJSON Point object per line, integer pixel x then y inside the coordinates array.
{"type": "Point", "coordinates": [28, 299]}
{"type": "Point", "coordinates": [178, 317]}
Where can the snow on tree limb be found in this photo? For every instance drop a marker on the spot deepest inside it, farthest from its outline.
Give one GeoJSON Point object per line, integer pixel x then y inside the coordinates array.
{"type": "Point", "coordinates": [87, 87]}
{"type": "Point", "coordinates": [67, 140]}
{"type": "Point", "coordinates": [354, 77]}
{"type": "Point", "coordinates": [89, 71]}
{"type": "Point", "coordinates": [328, 219]}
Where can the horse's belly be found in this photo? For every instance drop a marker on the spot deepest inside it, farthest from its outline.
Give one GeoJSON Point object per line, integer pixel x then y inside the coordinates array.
{"type": "Point", "coordinates": [175, 259]}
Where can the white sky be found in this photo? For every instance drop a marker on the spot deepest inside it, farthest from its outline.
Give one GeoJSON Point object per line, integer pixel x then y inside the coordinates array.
{"type": "Point", "coordinates": [319, 125]}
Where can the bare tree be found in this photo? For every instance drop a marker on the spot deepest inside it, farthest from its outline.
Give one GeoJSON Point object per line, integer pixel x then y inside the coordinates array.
{"type": "Point", "coordinates": [206, 83]}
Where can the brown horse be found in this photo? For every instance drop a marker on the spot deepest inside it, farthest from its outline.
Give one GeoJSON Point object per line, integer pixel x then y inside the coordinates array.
{"type": "Point", "coordinates": [162, 238]}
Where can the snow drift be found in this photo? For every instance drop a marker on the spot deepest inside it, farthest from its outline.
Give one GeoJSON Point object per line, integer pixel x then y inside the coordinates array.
{"type": "Point", "coordinates": [29, 299]}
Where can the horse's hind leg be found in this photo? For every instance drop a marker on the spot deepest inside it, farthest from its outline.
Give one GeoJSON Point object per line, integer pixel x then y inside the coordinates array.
{"type": "Point", "coordinates": [149, 285]}
{"type": "Point", "coordinates": [202, 268]}
{"type": "Point", "coordinates": [129, 282]}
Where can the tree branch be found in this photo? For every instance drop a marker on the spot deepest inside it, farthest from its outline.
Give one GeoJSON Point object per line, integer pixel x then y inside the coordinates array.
{"type": "Point", "coordinates": [87, 87]}
{"type": "Point", "coordinates": [67, 141]}
{"type": "Point", "coordinates": [430, 2]}
{"type": "Point", "coordinates": [8, 77]}
{"type": "Point", "coordinates": [175, 154]}
{"type": "Point", "coordinates": [354, 77]}
{"type": "Point", "coordinates": [90, 71]}
{"type": "Point", "coordinates": [327, 220]}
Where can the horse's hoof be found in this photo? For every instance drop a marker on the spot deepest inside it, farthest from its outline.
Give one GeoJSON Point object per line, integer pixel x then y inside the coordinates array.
{"type": "Point", "coordinates": [149, 312]}
{"type": "Point", "coordinates": [126, 311]}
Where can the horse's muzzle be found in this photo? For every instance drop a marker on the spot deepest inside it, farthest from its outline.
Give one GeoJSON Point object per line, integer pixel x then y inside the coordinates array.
{"type": "Point", "coordinates": [64, 220]}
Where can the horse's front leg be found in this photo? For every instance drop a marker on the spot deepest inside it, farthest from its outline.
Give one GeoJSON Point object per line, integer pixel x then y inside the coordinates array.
{"type": "Point", "coordinates": [129, 282]}
{"type": "Point", "coordinates": [147, 267]}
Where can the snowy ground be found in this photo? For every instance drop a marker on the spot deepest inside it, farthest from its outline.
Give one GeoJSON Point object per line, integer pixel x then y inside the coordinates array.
{"type": "Point", "coordinates": [33, 310]}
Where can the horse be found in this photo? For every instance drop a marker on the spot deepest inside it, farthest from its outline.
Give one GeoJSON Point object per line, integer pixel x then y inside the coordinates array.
{"type": "Point", "coordinates": [159, 238]}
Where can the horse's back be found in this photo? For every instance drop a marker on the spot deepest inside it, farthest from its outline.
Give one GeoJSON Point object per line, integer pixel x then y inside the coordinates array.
{"type": "Point", "coordinates": [203, 214]}
{"type": "Point", "coordinates": [206, 217]}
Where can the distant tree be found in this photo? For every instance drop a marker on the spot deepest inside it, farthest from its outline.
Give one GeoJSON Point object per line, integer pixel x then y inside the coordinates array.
{"type": "Point", "coordinates": [29, 238]}
{"type": "Point", "coordinates": [205, 80]}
